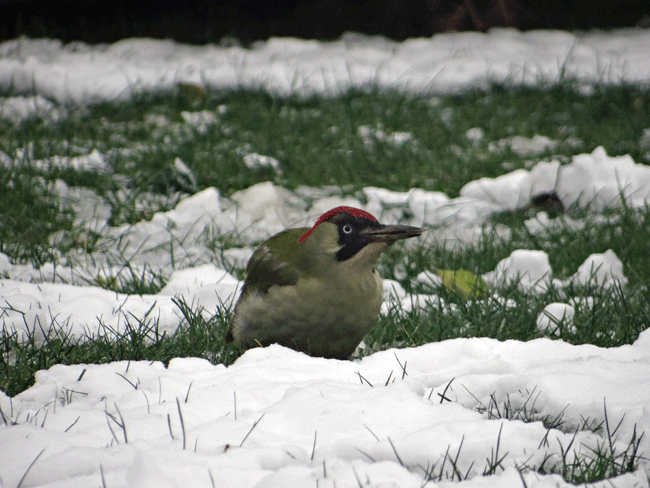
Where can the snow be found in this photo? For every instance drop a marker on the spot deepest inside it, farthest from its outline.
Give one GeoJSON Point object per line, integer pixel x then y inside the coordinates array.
{"type": "Point", "coordinates": [523, 146]}
{"type": "Point", "coordinates": [370, 135]}
{"type": "Point", "coordinates": [80, 73]}
{"type": "Point", "coordinates": [280, 418]}
{"type": "Point", "coordinates": [276, 417]}
{"type": "Point", "coordinates": [258, 161]}
{"type": "Point", "coordinates": [17, 109]}
{"type": "Point", "coordinates": [530, 269]}
{"type": "Point", "coordinates": [555, 316]}
{"type": "Point", "coordinates": [595, 179]}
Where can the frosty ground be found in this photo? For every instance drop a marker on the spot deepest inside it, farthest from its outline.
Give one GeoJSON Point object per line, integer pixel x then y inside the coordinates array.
{"type": "Point", "coordinates": [407, 417]}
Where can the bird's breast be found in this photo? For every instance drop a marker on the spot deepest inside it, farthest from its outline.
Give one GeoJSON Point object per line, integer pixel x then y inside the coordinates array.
{"type": "Point", "coordinates": [325, 317]}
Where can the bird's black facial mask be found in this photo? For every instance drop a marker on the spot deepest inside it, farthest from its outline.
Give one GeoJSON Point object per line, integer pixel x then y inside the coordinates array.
{"type": "Point", "coordinates": [351, 237]}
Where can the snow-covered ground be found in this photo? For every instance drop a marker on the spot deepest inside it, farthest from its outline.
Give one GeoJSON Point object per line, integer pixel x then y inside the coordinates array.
{"type": "Point", "coordinates": [276, 417]}
{"type": "Point", "coordinates": [449, 62]}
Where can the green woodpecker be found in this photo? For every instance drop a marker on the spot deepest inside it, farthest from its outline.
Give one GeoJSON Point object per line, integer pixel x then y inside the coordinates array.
{"type": "Point", "coordinates": [316, 289]}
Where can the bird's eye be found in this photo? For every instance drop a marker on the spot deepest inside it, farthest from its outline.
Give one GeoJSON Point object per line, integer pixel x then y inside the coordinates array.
{"type": "Point", "coordinates": [347, 229]}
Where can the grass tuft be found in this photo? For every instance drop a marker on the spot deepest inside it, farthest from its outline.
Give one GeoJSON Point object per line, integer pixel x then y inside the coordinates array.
{"type": "Point", "coordinates": [588, 463]}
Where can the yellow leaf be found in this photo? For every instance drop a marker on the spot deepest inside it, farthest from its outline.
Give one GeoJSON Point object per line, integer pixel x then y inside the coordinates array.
{"type": "Point", "coordinates": [462, 282]}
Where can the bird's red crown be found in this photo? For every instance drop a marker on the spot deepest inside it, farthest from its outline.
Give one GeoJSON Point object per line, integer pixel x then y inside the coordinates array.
{"type": "Point", "coordinates": [357, 212]}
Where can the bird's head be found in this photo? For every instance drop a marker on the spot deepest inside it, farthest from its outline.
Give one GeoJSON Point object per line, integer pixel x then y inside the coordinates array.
{"type": "Point", "coordinates": [352, 234]}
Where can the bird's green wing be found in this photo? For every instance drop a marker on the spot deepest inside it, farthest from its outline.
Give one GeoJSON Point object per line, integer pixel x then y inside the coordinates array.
{"type": "Point", "coordinates": [271, 265]}
{"type": "Point", "coordinates": [274, 263]}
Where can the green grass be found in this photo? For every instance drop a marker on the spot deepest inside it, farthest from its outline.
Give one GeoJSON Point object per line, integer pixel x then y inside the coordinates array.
{"type": "Point", "coordinates": [617, 317]}
{"type": "Point", "coordinates": [317, 142]}
{"type": "Point", "coordinates": [141, 340]}
{"type": "Point", "coordinates": [29, 213]}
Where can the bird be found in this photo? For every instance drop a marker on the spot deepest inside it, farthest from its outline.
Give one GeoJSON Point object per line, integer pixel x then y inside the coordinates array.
{"type": "Point", "coordinates": [315, 290]}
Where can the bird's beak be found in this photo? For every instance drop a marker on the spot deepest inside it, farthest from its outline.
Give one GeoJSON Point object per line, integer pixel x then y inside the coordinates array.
{"type": "Point", "coordinates": [391, 233]}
